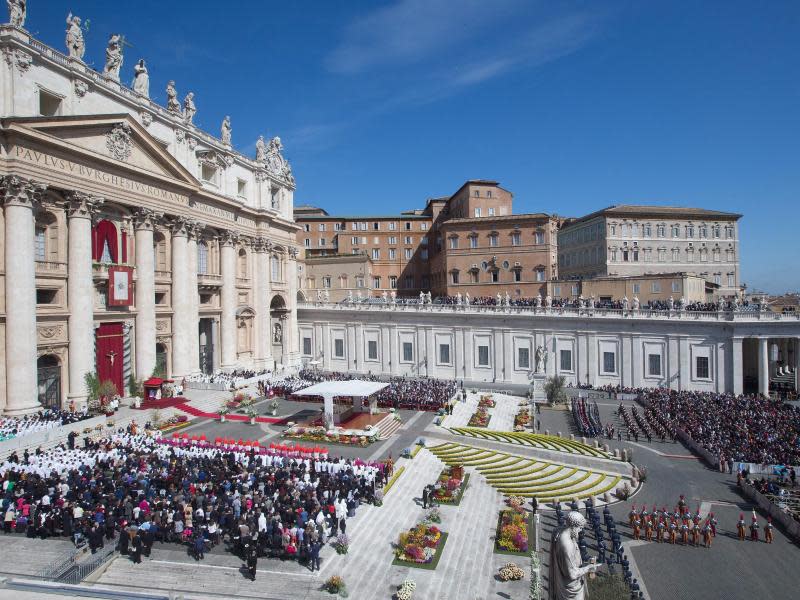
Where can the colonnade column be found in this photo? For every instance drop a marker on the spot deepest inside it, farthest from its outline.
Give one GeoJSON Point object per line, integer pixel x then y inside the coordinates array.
{"type": "Point", "coordinates": [293, 353]}
{"type": "Point", "coordinates": [145, 363]}
{"type": "Point", "coordinates": [193, 300]}
{"type": "Point", "coordinates": [263, 345]}
{"type": "Point", "coordinates": [19, 197]}
{"type": "Point", "coordinates": [228, 299]}
{"type": "Point", "coordinates": [737, 367]}
{"type": "Point", "coordinates": [80, 292]}
{"type": "Point", "coordinates": [763, 366]}
{"type": "Point", "coordinates": [181, 315]}
{"type": "Point", "coordinates": [797, 364]}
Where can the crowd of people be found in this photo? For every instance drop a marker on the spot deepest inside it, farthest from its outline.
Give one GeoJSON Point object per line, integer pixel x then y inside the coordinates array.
{"type": "Point", "coordinates": [11, 427]}
{"type": "Point", "coordinates": [750, 429]}
{"type": "Point", "coordinates": [586, 417]}
{"type": "Point", "coordinates": [401, 393]}
{"type": "Point", "coordinates": [140, 489]}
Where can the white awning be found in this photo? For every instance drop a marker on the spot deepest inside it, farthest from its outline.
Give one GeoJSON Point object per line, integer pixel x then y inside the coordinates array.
{"type": "Point", "coordinates": [353, 387]}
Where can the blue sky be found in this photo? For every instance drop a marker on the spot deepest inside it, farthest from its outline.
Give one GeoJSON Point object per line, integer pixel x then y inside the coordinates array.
{"type": "Point", "coordinates": [572, 106]}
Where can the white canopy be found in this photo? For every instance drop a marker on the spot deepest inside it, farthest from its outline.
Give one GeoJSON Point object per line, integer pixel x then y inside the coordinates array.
{"type": "Point", "coordinates": [354, 387]}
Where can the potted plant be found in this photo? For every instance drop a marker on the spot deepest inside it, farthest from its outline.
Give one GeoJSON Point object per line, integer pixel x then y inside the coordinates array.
{"type": "Point", "coordinates": [251, 414]}
{"type": "Point", "coordinates": [222, 411]}
{"type": "Point", "coordinates": [273, 407]}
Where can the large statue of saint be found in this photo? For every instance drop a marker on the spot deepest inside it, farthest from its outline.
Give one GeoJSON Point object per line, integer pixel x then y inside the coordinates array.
{"type": "Point", "coordinates": [172, 99]}
{"type": "Point", "coordinates": [541, 358]}
{"type": "Point", "coordinates": [277, 333]}
{"type": "Point", "coordinates": [141, 80]}
{"type": "Point", "coordinates": [113, 57]}
{"type": "Point", "coordinates": [225, 131]}
{"type": "Point", "coordinates": [261, 150]}
{"type": "Point", "coordinates": [189, 109]}
{"type": "Point", "coordinates": [16, 12]}
{"type": "Point", "coordinates": [567, 573]}
{"type": "Point", "coordinates": [75, 45]}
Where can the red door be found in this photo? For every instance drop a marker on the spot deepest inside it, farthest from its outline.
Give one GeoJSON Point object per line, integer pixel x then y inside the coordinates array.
{"type": "Point", "coordinates": [109, 353]}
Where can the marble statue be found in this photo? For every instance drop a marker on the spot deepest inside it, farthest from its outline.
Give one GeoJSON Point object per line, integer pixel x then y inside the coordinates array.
{"type": "Point", "coordinates": [541, 359]}
{"type": "Point", "coordinates": [467, 299]}
{"type": "Point", "coordinates": [458, 299]}
{"type": "Point", "coordinates": [16, 12]}
{"type": "Point", "coordinates": [350, 296]}
{"type": "Point", "coordinates": [277, 334]}
{"type": "Point", "coordinates": [75, 44]}
{"type": "Point", "coordinates": [624, 303]}
{"type": "Point", "coordinates": [319, 295]}
{"type": "Point", "coordinates": [225, 131]}
{"type": "Point", "coordinates": [141, 79]}
{"type": "Point", "coordinates": [538, 301]}
{"type": "Point", "coordinates": [422, 297]}
{"type": "Point", "coordinates": [261, 150]}
{"type": "Point", "coordinates": [430, 298]}
{"type": "Point", "coordinates": [358, 295]}
{"type": "Point", "coordinates": [567, 573]}
{"type": "Point", "coordinates": [636, 303]}
{"type": "Point", "coordinates": [173, 105]}
{"type": "Point", "coordinates": [394, 297]}
{"type": "Point", "coordinates": [682, 304]}
{"type": "Point", "coordinates": [384, 296]}
{"type": "Point", "coordinates": [508, 299]}
{"type": "Point", "coordinates": [498, 299]}
{"type": "Point", "coordinates": [189, 109]}
{"type": "Point", "coordinates": [548, 301]}
{"type": "Point", "coordinates": [327, 296]}
{"type": "Point", "coordinates": [671, 303]}
{"type": "Point", "coordinates": [113, 57]}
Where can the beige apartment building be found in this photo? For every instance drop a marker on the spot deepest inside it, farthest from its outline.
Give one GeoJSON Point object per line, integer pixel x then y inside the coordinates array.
{"type": "Point", "coordinates": [469, 242]}
{"type": "Point", "coordinates": [647, 288]}
{"type": "Point", "coordinates": [628, 240]}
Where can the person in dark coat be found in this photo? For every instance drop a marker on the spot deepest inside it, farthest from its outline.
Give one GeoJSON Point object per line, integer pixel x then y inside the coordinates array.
{"type": "Point", "coordinates": [251, 556]}
{"type": "Point", "coordinates": [425, 494]}
{"type": "Point", "coordinates": [124, 538]}
{"type": "Point", "coordinates": [313, 553]}
{"type": "Point", "coordinates": [199, 547]}
{"type": "Point", "coordinates": [136, 548]}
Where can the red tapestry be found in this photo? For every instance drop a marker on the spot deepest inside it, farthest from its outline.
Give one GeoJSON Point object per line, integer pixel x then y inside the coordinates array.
{"type": "Point", "coordinates": [120, 286]}
{"type": "Point", "coordinates": [109, 353]}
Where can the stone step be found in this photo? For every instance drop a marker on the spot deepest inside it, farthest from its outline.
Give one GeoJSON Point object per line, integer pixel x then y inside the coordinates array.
{"type": "Point", "coordinates": [387, 426]}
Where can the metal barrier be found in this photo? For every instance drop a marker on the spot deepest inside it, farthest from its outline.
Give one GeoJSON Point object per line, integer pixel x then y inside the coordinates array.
{"type": "Point", "coordinates": [83, 569]}
{"type": "Point", "coordinates": [59, 566]}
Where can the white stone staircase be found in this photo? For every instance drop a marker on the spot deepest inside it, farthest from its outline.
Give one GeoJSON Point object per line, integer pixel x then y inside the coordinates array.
{"type": "Point", "coordinates": [388, 425]}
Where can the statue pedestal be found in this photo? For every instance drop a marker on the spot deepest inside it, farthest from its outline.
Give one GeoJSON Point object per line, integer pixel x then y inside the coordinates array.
{"type": "Point", "coordinates": [537, 388]}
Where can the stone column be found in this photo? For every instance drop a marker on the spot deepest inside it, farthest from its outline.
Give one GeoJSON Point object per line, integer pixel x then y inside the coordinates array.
{"type": "Point", "coordinates": [182, 323]}
{"type": "Point", "coordinates": [80, 293]}
{"type": "Point", "coordinates": [292, 351]}
{"type": "Point", "coordinates": [228, 298]}
{"type": "Point", "coordinates": [145, 361]}
{"type": "Point", "coordinates": [193, 302]}
{"type": "Point", "coordinates": [261, 293]}
{"type": "Point", "coordinates": [763, 366]}
{"type": "Point", "coordinates": [19, 197]}
{"type": "Point", "coordinates": [797, 364]}
{"type": "Point", "coordinates": [737, 374]}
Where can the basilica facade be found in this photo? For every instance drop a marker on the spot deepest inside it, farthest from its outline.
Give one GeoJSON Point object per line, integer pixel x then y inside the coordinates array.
{"type": "Point", "coordinates": [132, 241]}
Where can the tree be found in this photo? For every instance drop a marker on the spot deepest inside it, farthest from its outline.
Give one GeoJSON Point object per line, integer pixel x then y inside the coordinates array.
{"type": "Point", "coordinates": [554, 389]}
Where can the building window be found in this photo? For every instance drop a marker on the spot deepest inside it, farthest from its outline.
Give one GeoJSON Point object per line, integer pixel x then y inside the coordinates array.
{"type": "Point", "coordinates": [409, 281]}
{"type": "Point", "coordinates": [392, 253]}
{"type": "Point", "coordinates": [307, 242]}
{"type": "Point", "coordinates": [557, 291]}
{"type": "Point", "coordinates": [495, 276]}
{"type": "Point", "coordinates": [241, 188]}
{"type": "Point", "coordinates": [46, 296]}
{"type": "Point", "coordinates": [655, 287]}
{"type": "Point", "coordinates": [654, 365]}
{"type": "Point", "coordinates": [326, 281]}
{"type": "Point", "coordinates": [661, 231]}
{"type": "Point", "coordinates": [701, 367]}
{"type": "Point", "coordinates": [493, 240]}
{"type": "Point", "coordinates": [376, 253]}
{"type": "Point", "coordinates": [423, 226]}
{"type": "Point", "coordinates": [41, 244]}
{"type": "Point", "coordinates": [473, 241]}
{"type": "Point", "coordinates": [393, 281]}
{"type": "Point", "coordinates": [477, 212]}
{"type": "Point", "coordinates": [202, 258]}
{"type": "Point", "coordinates": [731, 280]}
{"type": "Point", "coordinates": [208, 173]}
{"type": "Point", "coordinates": [718, 279]}
{"type": "Point", "coordinates": [49, 104]}
{"type": "Point", "coordinates": [392, 226]}
{"type": "Point", "coordinates": [322, 242]}
{"type": "Point", "coordinates": [609, 362]}
{"type": "Point", "coordinates": [359, 281]}
{"type": "Point", "coordinates": [523, 358]}
{"type": "Point", "coordinates": [376, 226]}
{"type": "Point", "coordinates": [517, 275]}
{"type": "Point", "coordinates": [473, 277]}
{"type": "Point", "coordinates": [408, 226]}
{"type": "Point", "coordinates": [676, 287]}
{"type": "Point", "coordinates": [515, 239]}
{"type": "Point", "coordinates": [276, 268]}
{"type": "Point", "coordinates": [392, 239]}
{"type": "Point", "coordinates": [491, 211]}
{"type": "Point", "coordinates": [612, 230]}
{"type": "Point", "coordinates": [408, 253]}
{"type": "Point", "coordinates": [637, 288]}
{"type": "Point", "coordinates": [307, 346]}
{"type": "Point", "coordinates": [676, 255]}
{"type": "Point", "coordinates": [424, 254]}
{"type": "Point", "coordinates": [483, 356]}
{"type": "Point", "coordinates": [372, 350]}
{"type": "Point", "coordinates": [453, 243]}
{"type": "Point", "coordinates": [477, 193]}
{"type": "Point", "coordinates": [408, 352]}
{"type": "Point", "coordinates": [408, 240]}
{"type": "Point", "coordinates": [376, 282]}
{"type": "Point", "coordinates": [648, 230]}
{"type": "Point", "coordinates": [306, 227]}
{"type": "Point", "coordinates": [338, 348]}
{"type": "Point", "coordinates": [454, 277]}
{"type": "Point", "coordinates": [444, 354]}
{"type": "Point", "coordinates": [539, 274]}
{"type": "Point", "coordinates": [322, 226]}
{"type": "Point", "coordinates": [676, 231]}
{"type": "Point", "coordinates": [566, 360]}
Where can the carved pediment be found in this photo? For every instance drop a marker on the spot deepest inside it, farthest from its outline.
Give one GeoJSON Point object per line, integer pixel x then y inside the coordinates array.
{"type": "Point", "coordinates": [118, 138]}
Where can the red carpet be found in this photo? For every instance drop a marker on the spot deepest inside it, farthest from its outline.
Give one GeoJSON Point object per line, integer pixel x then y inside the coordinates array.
{"type": "Point", "coordinates": [229, 417]}
{"type": "Point", "coordinates": [163, 403]}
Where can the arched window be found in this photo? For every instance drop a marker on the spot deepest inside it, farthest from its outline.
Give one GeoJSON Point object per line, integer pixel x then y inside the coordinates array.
{"type": "Point", "coordinates": [160, 251]}
{"type": "Point", "coordinates": [275, 263]}
{"type": "Point", "coordinates": [106, 243]}
{"type": "Point", "coordinates": [242, 264]}
{"type": "Point", "coordinates": [46, 237]}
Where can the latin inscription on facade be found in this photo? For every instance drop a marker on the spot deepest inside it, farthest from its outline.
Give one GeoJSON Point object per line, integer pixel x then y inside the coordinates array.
{"type": "Point", "coordinates": [94, 174]}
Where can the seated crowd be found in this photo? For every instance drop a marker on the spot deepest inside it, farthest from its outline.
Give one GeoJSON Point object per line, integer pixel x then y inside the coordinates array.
{"type": "Point", "coordinates": [737, 428]}
{"type": "Point", "coordinates": [200, 496]}
{"type": "Point", "coordinates": [11, 427]}
{"type": "Point", "coordinates": [402, 392]}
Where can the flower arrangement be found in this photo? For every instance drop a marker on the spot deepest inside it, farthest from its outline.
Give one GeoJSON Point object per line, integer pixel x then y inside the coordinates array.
{"type": "Point", "coordinates": [511, 572]}
{"type": "Point", "coordinates": [418, 545]}
{"type": "Point", "coordinates": [450, 486]}
{"type": "Point", "coordinates": [624, 492]}
{"type": "Point", "coordinates": [487, 402]}
{"type": "Point", "coordinates": [480, 418]}
{"type": "Point", "coordinates": [522, 419]}
{"type": "Point", "coordinates": [433, 516]}
{"type": "Point", "coordinates": [512, 532]}
{"type": "Point", "coordinates": [335, 585]}
{"type": "Point", "coordinates": [342, 544]}
{"type": "Point", "coordinates": [405, 591]}
{"type": "Point", "coordinates": [378, 498]}
{"type": "Point", "coordinates": [516, 502]}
